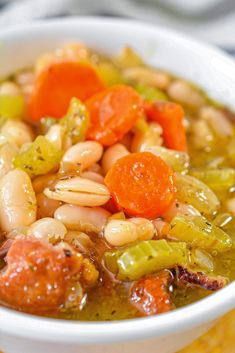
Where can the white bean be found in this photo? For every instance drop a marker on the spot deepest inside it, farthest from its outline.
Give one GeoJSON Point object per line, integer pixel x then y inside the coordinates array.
{"type": "Point", "coordinates": [112, 154]}
{"type": "Point", "coordinates": [152, 137]}
{"type": "Point", "coordinates": [93, 176]}
{"type": "Point", "coordinates": [84, 219]}
{"type": "Point", "coordinates": [148, 76]}
{"type": "Point", "coordinates": [119, 233]}
{"type": "Point", "coordinates": [3, 139]}
{"type": "Point", "coordinates": [79, 191]}
{"type": "Point", "coordinates": [56, 135]}
{"type": "Point", "coordinates": [72, 51]}
{"type": "Point", "coordinates": [25, 77]}
{"type": "Point", "coordinates": [9, 88]}
{"type": "Point", "coordinates": [18, 132]}
{"type": "Point", "coordinates": [17, 200]}
{"type": "Point", "coordinates": [7, 152]}
{"type": "Point", "coordinates": [96, 168]}
{"type": "Point", "coordinates": [185, 93]}
{"type": "Point", "coordinates": [25, 147]}
{"type": "Point", "coordinates": [48, 228]}
{"type": "Point", "coordinates": [145, 228]}
{"type": "Point", "coordinates": [217, 120]}
{"type": "Point", "coordinates": [84, 154]}
{"type": "Point", "coordinates": [43, 61]}
{"type": "Point", "coordinates": [202, 134]}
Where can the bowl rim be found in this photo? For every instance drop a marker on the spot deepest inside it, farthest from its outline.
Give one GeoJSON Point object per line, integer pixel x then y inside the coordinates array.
{"type": "Point", "coordinates": [57, 330]}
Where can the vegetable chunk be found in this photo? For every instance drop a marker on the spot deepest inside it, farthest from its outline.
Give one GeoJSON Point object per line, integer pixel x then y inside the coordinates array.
{"type": "Point", "coordinates": [170, 116]}
{"type": "Point", "coordinates": [37, 276]}
{"type": "Point", "coordinates": [40, 158]}
{"type": "Point", "coordinates": [141, 184]}
{"type": "Point", "coordinates": [76, 121]}
{"type": "Point", "coordinates": [113, 113]}
{"type": "Point", "coordinates": [151, 294]}
{"type": "Point", "coordinates": [146, 257]}
{"type": "Point", "coordinates": [58, 84]}
{"type": "Point", "coordinates": [198, 232]}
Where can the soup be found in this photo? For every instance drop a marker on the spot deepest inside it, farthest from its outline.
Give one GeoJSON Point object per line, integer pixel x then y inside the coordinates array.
{"type": "Point", "coordinates": [117, 188]}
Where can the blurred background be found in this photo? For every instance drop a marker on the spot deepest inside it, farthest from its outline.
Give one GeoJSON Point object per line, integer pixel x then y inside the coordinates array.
{"type": "Point", "coordinates": [209, 20]}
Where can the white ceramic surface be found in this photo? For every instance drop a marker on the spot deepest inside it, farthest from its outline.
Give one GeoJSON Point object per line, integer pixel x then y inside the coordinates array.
{"type": "Point", "coordinates": [206, 66]}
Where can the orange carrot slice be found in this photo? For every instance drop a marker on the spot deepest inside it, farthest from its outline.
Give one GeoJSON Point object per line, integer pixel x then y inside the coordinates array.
{"type": "Point", "coordinates": [57, 84]}
{"type": "Point", "coordinates": [113, 113]}
{"type": "Point", "coordinates": [170, 116]}
{"type": "Point", "coordinates": [141, 184]}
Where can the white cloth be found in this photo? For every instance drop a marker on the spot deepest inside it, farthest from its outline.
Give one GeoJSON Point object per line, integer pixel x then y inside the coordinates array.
{"type": "Point", "coordinates": [192, 17]}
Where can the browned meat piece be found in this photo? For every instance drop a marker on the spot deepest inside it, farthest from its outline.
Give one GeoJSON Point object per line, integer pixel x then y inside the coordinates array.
{"type": "Point", "coordinates": [39, 277]}
{"type": "Point", "coordinates": [200, 279]}
{"type": "Point", "coordinates": [151, 294]}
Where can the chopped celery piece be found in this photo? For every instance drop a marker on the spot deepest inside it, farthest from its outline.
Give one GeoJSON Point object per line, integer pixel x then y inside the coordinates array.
{"type": "Point", "coordinates": [41, 157]}
{"type": "Point", "coordinates": [111, 258]}
{"type": "Point", "coordinates": [109, 74]}
{"type": "Point", "coordinates": [223, 219]}
{"type": "Point", "coordinates": [76, 121]}
{"type": "Point", "coordinates": [11, 107]}
{"type": "Point", "coordinates": [194, 192]}
{"type": "Point", "coordinates": [149, 93]}
{"type": "Point", "coordinates": [146, 257]}
{"type": "Point", "coordinates": [202, 260]}
{"type": "Point", "coordinates": [200, 233]}
{"type": "Point", "coordinates": [216, 179]}
{"type": "Point", "coordinates": [178, 161]}
{"type": "Point", "coordinates": [46, 123]}
{"type": "Point", "coordinates": [128, 58]}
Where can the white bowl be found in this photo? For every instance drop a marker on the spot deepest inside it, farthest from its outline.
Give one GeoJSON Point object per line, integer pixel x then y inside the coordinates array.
{"type": "Point", "coordinates": [204, 65]}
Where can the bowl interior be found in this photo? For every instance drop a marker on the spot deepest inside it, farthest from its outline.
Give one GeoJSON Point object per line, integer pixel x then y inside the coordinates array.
{"type": "Point", "coordinates": [202, 64]}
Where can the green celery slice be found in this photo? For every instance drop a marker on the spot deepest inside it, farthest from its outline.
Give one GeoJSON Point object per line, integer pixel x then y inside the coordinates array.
{"type": "Point", "coordinates": [217, 179]}
{"type": "Point", "coordinates": [109, 74]}
{"type": "Point", "coordinates": [11, 107]}
{"type": "Point", "coordinates": [76, 121]}
{"type": "Point", "coordinates": [178, 161]}
{"type": "Point", "coordinates": [149, 93]}
{"type": "Point", "coordinates": [194, 192]}
{"type": "Point", "coordinates": [128, 58]}
{"type": "Point", "coordinates": [146, 257]}
{"type": "Point", "coordinates": [40, 158]}
{"type": "Point", "coordinates": [200, 233]}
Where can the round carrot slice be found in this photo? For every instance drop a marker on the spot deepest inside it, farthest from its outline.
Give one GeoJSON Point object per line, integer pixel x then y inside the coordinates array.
{"type": "Point", "coordinates": [170, 116]}
{"type": "Point", "coordinates": [57, 84]}
{"type": "Point", "coordinates": [113, 113]}
{"type": "Point", "coordinates": [141, 184]}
